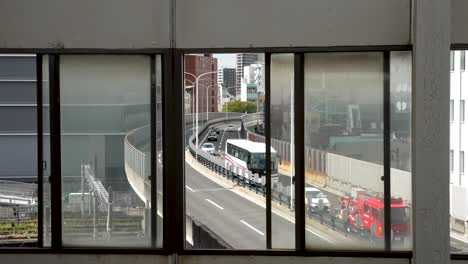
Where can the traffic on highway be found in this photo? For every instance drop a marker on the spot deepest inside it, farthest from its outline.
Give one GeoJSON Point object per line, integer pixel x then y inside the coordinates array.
{"type": "Point", "coordinates": [327, 222]}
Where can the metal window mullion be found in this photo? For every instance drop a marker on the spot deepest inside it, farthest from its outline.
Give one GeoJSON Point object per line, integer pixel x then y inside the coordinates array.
{"type": "Point", "coordinates": [55, 152]}
{"type": "Point", "coordinates": [153, 176]}
{"type": "Point", "coordinates": [386, 149]}
{"type": "Point", "coordinates": [299, 187]}
{"type": "Point", "coordinates": [174, 153]}
{"type": "Point", "coordinates": [40, 154]}
{"type": "Point", "coordinates": [267, 126]}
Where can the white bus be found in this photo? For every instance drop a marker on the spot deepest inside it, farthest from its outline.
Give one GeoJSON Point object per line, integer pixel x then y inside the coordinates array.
{"type": "Point", "coordinates": [244, 156]}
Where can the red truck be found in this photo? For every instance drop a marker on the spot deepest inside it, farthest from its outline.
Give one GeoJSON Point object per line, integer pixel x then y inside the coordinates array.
{"type": "Point", "coordinates": [363, 213]}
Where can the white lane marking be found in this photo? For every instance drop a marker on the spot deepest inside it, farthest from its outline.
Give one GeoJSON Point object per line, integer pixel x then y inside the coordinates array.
{"type": "Point", "coordinates": [247, 197]}
{"type": "Point", "coordinates": [215, 204]}
{"type": "Point", "coordinates": [251, 227]}
{"type": "Point", "coordinates": [324, 238]}
{"type": "Point", "coordinates": [186, 186]}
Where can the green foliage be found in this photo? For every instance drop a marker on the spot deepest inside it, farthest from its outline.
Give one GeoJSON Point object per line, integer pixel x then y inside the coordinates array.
{"type": "Point", "coordinates": [239, 107]}
{"type": "Point", "coordinates": [18, 228]}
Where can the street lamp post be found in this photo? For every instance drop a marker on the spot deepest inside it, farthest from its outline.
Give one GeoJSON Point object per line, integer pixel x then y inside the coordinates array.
{"type": "Point", "coordinates": [197, 78]}
{"type": "Point", "coordinates": [193, 105]}
{"type": "Point", "coordinates": [207, 88]}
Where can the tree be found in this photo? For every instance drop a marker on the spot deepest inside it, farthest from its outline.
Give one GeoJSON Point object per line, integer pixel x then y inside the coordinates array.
{"type": "Point", "coordinates": [239, 107]}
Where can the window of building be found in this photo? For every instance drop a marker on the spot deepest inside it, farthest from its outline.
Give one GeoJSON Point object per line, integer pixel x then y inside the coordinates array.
{"type": "Point", "coordinates": [462, 162]}
{"type": "Point", "coordinates": [107, 151]}
{"type": "Point", "coordinates": [452, 111]}
{"type": "Point", "coordinates": [400, 142]}
{"type": "Point", "coordinates": [110, 130]}
{"type": "Point", "coordinates": [353, 81]}
{"type": "Point", "coordinates": [458, 189]}
{"type": "Point", "coordinates": [462, 60]}
{"type": "Point", "coordinates": [282, 141]}
{"type": "Point", "coordinates": [462, 111]}
{"type": "Point", "coordinates": [19, 223]}
{"type": "Point", "coordinates": [242, 212]}
{"type": "Point", "coordinates": [451, 160]}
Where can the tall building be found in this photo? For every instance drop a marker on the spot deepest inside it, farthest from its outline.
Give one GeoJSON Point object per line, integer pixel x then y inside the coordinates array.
{"type": "Point", "coordinates": [243, 59]}
{"type": "Point", "coordinates": [195, 65]}
{"type": "Point", "coordinates": [458, 142]}
{"type": "Point", "coordinates": [226, 85]}
{"type": "Point", "coordinates": [252, 83]}
{"type": "Point", "coordinates": [227, 77]}
{"type": "Point", "coordinates": [18, 110]}
{"type": "Point", "coordinates": [458, 129]}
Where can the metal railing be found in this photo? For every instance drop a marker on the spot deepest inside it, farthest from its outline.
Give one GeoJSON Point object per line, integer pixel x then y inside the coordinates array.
{"type": "Point", "coordinates": [241, 177]}
{"type": "Point", "coordinates": [98, 198]}
{"type": "Point", "coordinates": [135, 158]}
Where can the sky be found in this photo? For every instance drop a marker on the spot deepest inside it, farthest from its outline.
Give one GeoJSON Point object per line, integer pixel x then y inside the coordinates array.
{"type": "Point", "coordinates": [226, 60]}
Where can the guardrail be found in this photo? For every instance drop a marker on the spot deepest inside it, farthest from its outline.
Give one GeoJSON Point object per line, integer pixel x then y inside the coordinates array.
{"type": "Point", "coordinates": [135, 158]}
{"type": "Point", "coordinates": [241, 177]}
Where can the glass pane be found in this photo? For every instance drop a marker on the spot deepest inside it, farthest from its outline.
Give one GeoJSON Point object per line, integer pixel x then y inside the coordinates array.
{"type": "Point", "coordinates": [159, 154]}
{"type": "Point", "coordinates": [18, 150]}
{"type": "Point", "coordinates": [46, 151]}
{"type": "Point", "coordinates": [282, 134]}
{"type": "Point", "coordinates": [400, 140]}
{"type": "Point", "coordinates": [225, 155]}
{"type": "Point", "coordinates": [106, 157]}
{"type": "Point", "coordinates": [458, 146]}
{"type": "Point", "coordinates": [344, 150]}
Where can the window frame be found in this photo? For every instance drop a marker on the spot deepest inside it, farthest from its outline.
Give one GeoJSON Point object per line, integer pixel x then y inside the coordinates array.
{"type": "Point", "coordinates": [172, 78]}
{"type": "Point", "coordinates": [452, 60]}
{"type": "Point", "coordinates": [299, 115]}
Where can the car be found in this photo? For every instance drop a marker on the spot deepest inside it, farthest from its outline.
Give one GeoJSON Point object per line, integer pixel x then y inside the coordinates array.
{"type": "Point", "coordinates": [318, 200]}
{"type": "Point", "coordinates": [231, 128]}
{"type": "Point", "coordinates": [215, 129]}
{"type": "Point", "coordinates": [208, 147]}
{"type": "Point", "coordinates": [212, 136]}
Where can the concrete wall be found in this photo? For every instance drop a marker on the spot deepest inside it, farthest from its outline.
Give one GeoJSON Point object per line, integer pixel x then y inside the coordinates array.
{"type": "Point", "coordinates": [123, 259]}
{"type": "Point", "coordinates": [146, 23]}
{"type": "Point", "coordinates": [270, 23]}
{"type": "Point", "coordinates": [106, 24]}
{"type": "Point", "coordinates": [458, 21]}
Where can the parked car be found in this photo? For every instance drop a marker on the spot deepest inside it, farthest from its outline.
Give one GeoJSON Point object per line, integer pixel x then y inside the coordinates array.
{"type": "Point", "coordinates": [208, 147]}
{"type": "Point", "coordinates": [212, 136]}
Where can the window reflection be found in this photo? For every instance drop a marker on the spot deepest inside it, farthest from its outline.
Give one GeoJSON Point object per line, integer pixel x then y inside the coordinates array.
{"type": "Point", "coordinates": [106, 154]}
